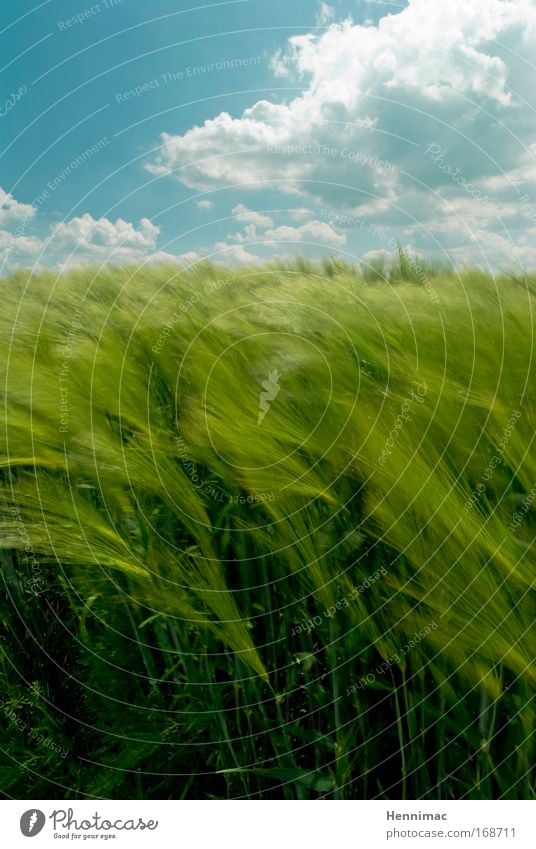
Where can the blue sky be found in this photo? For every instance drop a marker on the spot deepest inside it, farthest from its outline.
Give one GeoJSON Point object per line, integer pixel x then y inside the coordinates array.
{"type": "Point", "coordinates": [248, 129]}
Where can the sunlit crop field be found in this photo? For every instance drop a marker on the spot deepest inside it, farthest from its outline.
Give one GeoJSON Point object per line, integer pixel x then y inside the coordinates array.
{"type": "Point", "coordinates": [268, 533]}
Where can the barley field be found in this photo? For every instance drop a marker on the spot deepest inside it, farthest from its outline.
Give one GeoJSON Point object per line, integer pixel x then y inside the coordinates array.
{"type": "Point", "coordinates": [268, 532]}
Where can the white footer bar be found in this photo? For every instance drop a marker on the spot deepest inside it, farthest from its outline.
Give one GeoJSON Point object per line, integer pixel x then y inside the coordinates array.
{"type": "Point", "coordinates": [268, 824]}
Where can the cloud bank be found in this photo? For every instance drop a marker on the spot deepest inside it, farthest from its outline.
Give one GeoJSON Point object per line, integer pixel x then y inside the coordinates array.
{"type": "Point", "coordinates": [378, 103]}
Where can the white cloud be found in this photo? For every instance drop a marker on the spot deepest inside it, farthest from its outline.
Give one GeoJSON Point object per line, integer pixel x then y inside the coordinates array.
{"type": "Point", "coordinates": [454, 74]}
{"type": "Point", "coordinates": [88, 241]}
{"type": "Point", "coordinates": [16, 247]}
{"type": "Point", "coordinates": [382, 255]}
{"type": "Point", "coordinates": [317, 232]}
{"type": "Point", "coordinates": [188, 258]}
{"type": "Point", "coordinates": [324, 15]}
{"type": "Point", "coordinates": [85, 240]}
{"type": "Point", "coordinates": [498, 251]}
{"type": "Point", "coordinates": [11, 211]}
{"type": "Point", "coordinates": [204, 204]}
{"type": "Point", "coordinates": [249, 216]}
{"type": "Point", "coordinates": [18, 250]}
{"type": "Point", "coordinates": [249, 235]}
{"type": "Point", "coordinates": [235, 254]}
{"type": "Point", "coordinates": [87, 231]}
{"type": "Point", "coordinates": [425, 56]}
{"type": "Point", "coordinates": [82, 240]}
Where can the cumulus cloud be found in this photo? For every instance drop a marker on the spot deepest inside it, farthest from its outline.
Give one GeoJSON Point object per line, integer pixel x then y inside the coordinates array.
{"type": "Point", "coordinates": [374, 99]}
{"type": "Point", "coordinates": [204, 204]}
{"type": "Point", "coordinates": [11, 211]}
{"type": "Point", "coordinates": [86, 231]}
{"type": "Point", "coordinates": [316, 232]}
{"type": "Point", "coordinates": [380, 257]}
{"type": "Point", "coordinates": [82, 240]}
{"type": "Point", "coordinates": [249, 216]}
{"type": "Point", "coordinates": [85, 240]}
{"type": "Point", "coordinates": [16, 246]}
{"type": "Point", "coordinates": [189, 258]}
{"type": "Point", "coordinates": [234, 254]}
{"type": "Point", "coordinates": [18, 250]}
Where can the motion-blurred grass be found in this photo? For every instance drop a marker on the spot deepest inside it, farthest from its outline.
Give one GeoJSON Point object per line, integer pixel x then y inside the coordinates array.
{"type": "Point", "coordinates": [198, 605]}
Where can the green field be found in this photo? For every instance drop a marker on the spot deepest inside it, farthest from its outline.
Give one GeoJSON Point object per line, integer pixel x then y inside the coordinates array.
{"type": "Point", "coordinates": [268, 533]}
